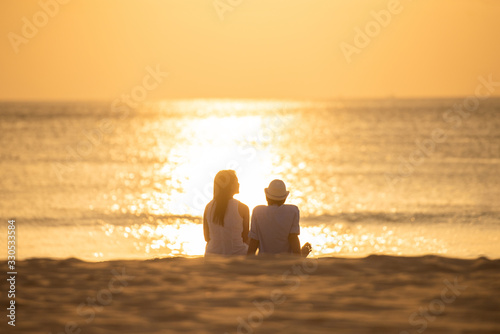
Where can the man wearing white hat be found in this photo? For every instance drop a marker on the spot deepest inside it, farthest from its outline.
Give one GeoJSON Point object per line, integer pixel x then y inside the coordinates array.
{"type": "Point", "coordinates": [275, 228]}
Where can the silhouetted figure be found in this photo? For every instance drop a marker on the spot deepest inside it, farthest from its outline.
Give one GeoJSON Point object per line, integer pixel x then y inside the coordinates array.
{"type": "Point", "coordinates": [226, 220]}
{"type": "Point", "coordinates": [275, 228]}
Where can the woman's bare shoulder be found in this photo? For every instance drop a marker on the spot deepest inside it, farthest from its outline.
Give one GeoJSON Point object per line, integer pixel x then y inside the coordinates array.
{"type": "Point", "coordinates": [242, 206]}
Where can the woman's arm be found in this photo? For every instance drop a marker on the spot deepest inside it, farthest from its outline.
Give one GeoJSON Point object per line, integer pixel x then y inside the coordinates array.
{"type": "Point", "coordinates": [206, 231]}
{"type": "Point", "coordinates": [245, 214]}
{"type": "Point", "coordinates": [253, 246]}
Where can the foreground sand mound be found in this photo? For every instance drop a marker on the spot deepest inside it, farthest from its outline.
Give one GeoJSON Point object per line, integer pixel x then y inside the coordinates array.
{"type": "Point", "coordinates": [377, 294]}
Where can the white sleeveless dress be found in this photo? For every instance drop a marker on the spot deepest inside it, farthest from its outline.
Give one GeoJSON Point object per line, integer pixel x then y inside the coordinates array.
{"type": "Point", "coordinates": [226, 240]}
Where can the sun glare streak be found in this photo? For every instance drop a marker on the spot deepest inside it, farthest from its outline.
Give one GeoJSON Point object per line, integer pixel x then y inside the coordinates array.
{"type": "Point", "coordinates": [184, 181]}
{"type": "Point", "coordinates": [227, 143]}
{"type": "Point", "coordinates": [184, 237]}
{"type": "Point", "coordinates": [171, 238]}
{"type": "Point", "coordinates": [241, 135]}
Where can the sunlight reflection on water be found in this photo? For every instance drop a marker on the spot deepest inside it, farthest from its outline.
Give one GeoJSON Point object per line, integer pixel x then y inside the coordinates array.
{"type": "Point", "coordinates": [184, 237]}
{"type": "Point", "coordinates": [329, 167]}
{"type": "Point", "coordinates": [183, 184]}
{"type": "Point", "coordinates": [154, 174]}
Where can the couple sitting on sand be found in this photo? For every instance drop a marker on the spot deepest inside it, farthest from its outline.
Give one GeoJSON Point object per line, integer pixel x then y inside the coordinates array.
{"type": "Point", "coordinates": [275, 227]}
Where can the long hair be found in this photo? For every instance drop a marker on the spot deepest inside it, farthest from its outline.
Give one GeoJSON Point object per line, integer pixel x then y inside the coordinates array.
{"type": "Point", "coordinates": [224, 189]}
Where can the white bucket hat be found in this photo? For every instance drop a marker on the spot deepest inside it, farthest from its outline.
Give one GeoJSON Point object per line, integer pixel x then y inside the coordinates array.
{"type": "Point", "coordinates": [276, 190]}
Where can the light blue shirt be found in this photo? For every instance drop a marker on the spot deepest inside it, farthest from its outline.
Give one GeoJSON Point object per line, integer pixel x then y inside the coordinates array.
{"type": "Point", "coordinates": [271, 225]}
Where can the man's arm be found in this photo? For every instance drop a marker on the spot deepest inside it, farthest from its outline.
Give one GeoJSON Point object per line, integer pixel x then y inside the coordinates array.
{"type": "Point", "coordinates": [253, 246]}
{"type": "Point", "coordinates": [206, 232]}
{"type": "Point", "coordinates": [293, 239]}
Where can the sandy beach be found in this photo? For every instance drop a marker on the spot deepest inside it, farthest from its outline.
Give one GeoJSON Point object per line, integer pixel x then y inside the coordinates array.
{"type": "Point", "coordinates": [138, 136]}
{"type": "Point", "coordinates": [377, 294]}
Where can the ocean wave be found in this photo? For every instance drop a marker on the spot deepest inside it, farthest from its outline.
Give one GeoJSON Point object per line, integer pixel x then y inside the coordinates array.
{"type": "Point", "coordinates": [124, 219]}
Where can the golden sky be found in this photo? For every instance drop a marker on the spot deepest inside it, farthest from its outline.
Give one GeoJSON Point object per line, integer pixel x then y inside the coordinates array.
{"type": "Point", "coordinates": [98, 49]}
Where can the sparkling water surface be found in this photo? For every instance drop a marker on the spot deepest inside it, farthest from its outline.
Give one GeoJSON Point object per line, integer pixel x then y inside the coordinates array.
{"type": "Point", "coordinates": [399, 177]}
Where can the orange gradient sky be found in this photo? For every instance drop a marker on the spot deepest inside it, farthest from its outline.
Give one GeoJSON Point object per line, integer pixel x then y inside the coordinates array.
{"type": "Point", "coordinates": [98, 49]}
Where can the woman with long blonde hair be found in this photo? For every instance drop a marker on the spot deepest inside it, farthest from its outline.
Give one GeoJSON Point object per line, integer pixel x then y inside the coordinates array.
{"type": "Point", "coordinates": [226, 220]}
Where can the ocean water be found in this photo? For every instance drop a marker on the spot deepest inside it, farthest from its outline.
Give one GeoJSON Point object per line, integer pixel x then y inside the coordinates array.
{"type": "Point", "coordinates": [399, 177]}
